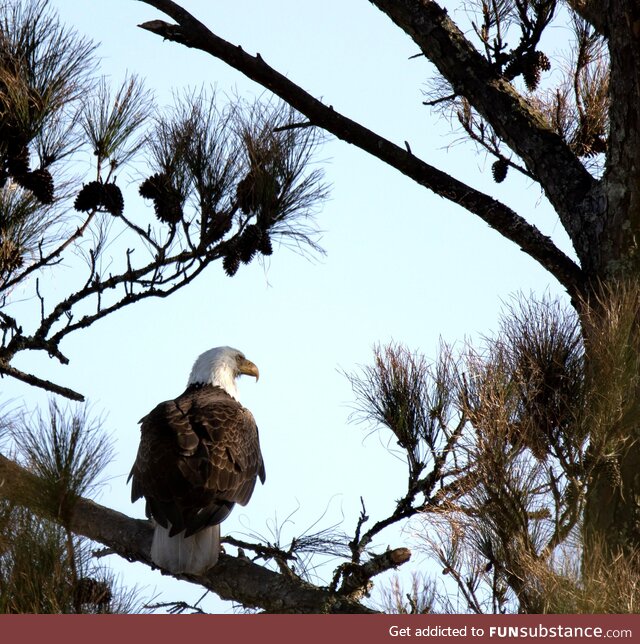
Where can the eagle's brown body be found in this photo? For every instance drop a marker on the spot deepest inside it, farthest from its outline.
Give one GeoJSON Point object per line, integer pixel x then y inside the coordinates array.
{"type": "Point", "coordinates": [199, 455]}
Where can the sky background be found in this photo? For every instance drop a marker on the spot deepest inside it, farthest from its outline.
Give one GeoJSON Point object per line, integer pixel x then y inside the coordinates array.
{"type": "Point", "coordinates": [401, 264]}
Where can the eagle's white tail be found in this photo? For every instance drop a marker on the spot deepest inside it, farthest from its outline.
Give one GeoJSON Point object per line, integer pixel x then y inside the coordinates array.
{"type": "Point", "coordinates": [180, 554]}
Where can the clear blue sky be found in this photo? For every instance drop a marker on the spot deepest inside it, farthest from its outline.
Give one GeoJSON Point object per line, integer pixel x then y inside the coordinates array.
{"type": "Point", "coordinates": [401, 264]}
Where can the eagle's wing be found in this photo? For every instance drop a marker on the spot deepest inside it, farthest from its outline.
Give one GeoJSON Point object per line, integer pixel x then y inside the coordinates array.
{"type": "Point", "coordinates": [199, 455]}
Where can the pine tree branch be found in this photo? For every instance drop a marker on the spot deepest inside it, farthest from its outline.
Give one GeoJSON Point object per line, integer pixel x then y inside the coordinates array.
{"type": "Point", "coordinates": [564, 179]}
{"type": "Point", "coordinates": [50, 258]}
{"type": "Point", "coordinates": [233, 578]}
{"type": "Point", "coordinates": [192, 33]}
{"type": "Point", "coordinates": [593, 12]}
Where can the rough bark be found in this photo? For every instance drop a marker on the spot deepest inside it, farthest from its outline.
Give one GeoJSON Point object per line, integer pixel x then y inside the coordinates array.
{"type": "Point", "coordinates": [596, 12]}
{"type": "Point", "coordinates": [612, 513]}
{"type": "Point", "coordinates": [620, 253]}
{"type": "Point", "coordinates": [232, 578]}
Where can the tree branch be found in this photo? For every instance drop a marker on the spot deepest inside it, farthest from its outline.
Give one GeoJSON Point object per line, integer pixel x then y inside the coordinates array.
{"type": "Point", "coordinates": [192, 33]}
{"type": "Point", "coordinates": [357, 578]}
{"type": "Point", "coordinates": [198, 259]}
{"type": "Point", "coordinates": [46, 260]}
{"type": "Point", "coordinates": [30, 379]}
{"type": "Point", "coordinates": [593, 13]}
{"type": "Point", "coordinates": [232, 578]}
{"type": "Point", "coordinates": [564, 179]}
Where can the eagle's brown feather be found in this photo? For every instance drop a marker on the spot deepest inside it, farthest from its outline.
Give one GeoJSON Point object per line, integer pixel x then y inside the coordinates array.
{"type": "Point", "coordinates": [199, 455]}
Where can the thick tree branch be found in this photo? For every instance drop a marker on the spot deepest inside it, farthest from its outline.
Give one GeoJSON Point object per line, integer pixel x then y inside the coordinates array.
{"type": "Point", "coordinates": [233, 578]}
{"type": "Point", "coordinates": [564, 179]}
{"type": "Point", "coordinates": [593, 12]}
{"type": "Point", "coordinates": [192, 33]}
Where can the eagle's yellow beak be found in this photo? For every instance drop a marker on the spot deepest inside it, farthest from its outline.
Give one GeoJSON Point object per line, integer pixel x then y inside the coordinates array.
{"type": "Point", "coordinates": [247, 368]}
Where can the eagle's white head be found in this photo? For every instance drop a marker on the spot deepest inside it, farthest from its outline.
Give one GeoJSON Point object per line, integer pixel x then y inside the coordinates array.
{"type": "Point", "coordinates": [220, 367]}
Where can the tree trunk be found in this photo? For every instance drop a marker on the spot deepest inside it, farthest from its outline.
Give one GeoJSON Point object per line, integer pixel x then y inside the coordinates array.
{"type": "Point", "coordinates": [612, 512]}
{"type": "Point", "coordinates": [619, 246]}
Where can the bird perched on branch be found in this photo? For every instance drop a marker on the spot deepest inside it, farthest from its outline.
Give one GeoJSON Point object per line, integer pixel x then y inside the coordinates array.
{"type": "Point", "coordinates": [199, 455]}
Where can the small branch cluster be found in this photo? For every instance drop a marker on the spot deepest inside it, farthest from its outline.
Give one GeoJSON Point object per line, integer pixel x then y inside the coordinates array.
{"type": "Point", "coordinates": [578, 109]}
{"type": "Point", "coordinates": [531, 19]}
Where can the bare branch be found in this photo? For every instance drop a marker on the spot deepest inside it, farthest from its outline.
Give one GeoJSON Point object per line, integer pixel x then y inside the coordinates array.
{"type": "Point", "coordinates": [30, 379]}
{"type": "Point", "coordinates": [49, 258]}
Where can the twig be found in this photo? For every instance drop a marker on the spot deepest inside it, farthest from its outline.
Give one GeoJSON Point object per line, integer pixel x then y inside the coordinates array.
{"type": "Point", "coordinates": [263, 551]}
{"type": "Point", "coordinates": [293, 126]}
{"type": "Point", "coordinates": [44, 261]}
{"type": "Point", "coordinates": [442, 99]}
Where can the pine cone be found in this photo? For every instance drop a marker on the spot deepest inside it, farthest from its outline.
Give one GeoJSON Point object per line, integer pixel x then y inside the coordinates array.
{"type": "Point", "coordinates": [154, 186]}
{"type": "Point", "coordinates": [246, 194]}
{"type": "Point", "coordinates": [499, 170]}
{"type": "Point", "coordinates": [231, 264]}
{"type": "Point", "coordinates": [529, 65]}
{"type": "Point", "coordinates": [542, 61]}
{"type": "Point", "coordinates": [265, 246]}
{"type": "Point", "coordinates": [218, 226]}
{"type": "Point", "coordinates": [531, 75]}
{"type": "Point", "coordinates": [40, 183]}
{"type": "Point", "coordinates": [91, 591]}
{"type": "Point", "coordinates": [534, 64]}
{"type": "Point", "coordinates": [248, 243]}
{"type": "Point", "coordinates": [90, 197]}
{"type": "Point", "coordinates": [231, 259]}
{"type": "Point", "coordinates": [167, 201]}
{"type": "Point", "coordinates": [112, 199]}
{"type": "Point", "coordinates": [16, 149]}
{"type": "Point", "coordinates": [513, 68]}
{"type": "Point", "coordinates": [17, 159]}
{"type": "Point", "coordinates": [168, 208]}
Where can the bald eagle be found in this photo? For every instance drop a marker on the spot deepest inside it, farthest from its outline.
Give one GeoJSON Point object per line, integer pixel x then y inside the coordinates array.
{"type": "Point", "coordinates": [199, 455]}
